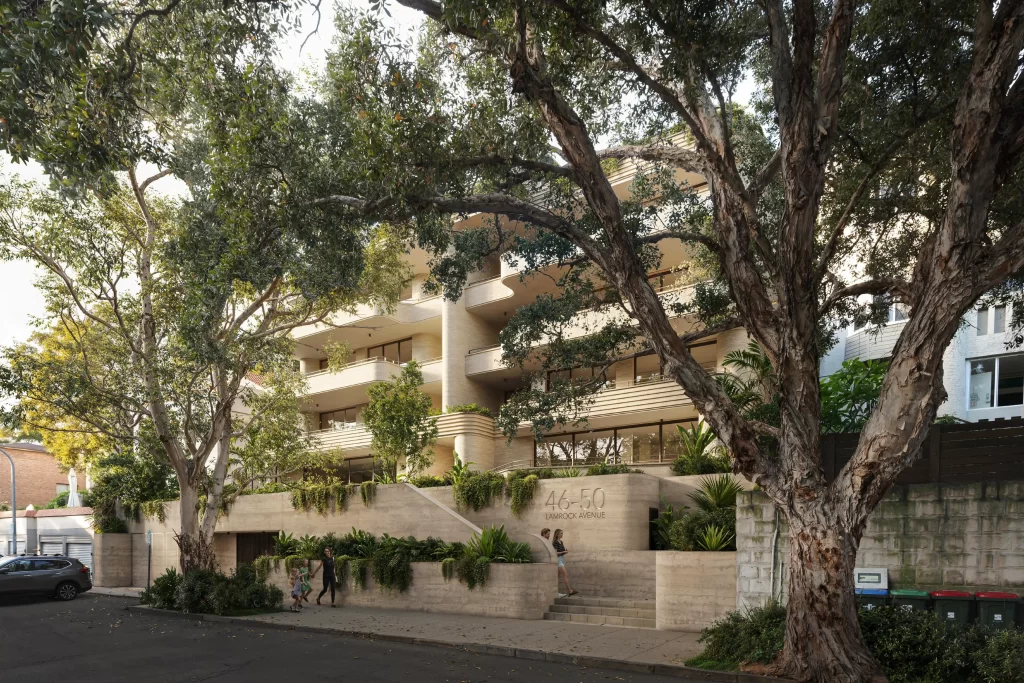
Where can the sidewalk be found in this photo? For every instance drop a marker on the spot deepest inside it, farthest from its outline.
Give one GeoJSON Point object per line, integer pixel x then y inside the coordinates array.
{"type": "Point", "coordinates": [117, 592]}
{"type": "Point", "coordinates": [627, 649]}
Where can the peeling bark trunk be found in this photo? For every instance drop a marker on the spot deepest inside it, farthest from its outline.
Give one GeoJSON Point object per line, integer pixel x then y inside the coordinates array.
{"type": "Point", "coordinates": [823, 638]}
{"type": "Point", "coordinates": [195, 550]}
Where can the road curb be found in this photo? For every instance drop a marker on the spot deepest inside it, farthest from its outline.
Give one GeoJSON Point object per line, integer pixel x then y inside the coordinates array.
{"type": "Point", "coordinates": [682, 672]}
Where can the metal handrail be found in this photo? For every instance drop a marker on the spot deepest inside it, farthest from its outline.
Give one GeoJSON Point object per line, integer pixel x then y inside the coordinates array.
{"type": "Point", "coordinates": [482, 349]}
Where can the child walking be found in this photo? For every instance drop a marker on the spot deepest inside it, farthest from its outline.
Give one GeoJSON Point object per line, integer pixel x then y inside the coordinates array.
{"type": "Point", "coordinates": [307, 587]}
{"type": "Point", "coordinates": [296, 582]}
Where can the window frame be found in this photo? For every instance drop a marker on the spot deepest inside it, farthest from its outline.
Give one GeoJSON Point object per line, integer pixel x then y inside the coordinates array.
{"type": "Point", "coordinates": [661, 424]}
{"type": "Point", "coordinates": [382, 355]}
{"type": "Point", "coordinates": [995, 381]}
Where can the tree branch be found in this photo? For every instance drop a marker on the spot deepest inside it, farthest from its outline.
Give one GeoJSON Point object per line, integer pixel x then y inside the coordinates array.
{"type": "Point", "coordinates": [875, 286]}
{"type": "Point", "coordinates": [677, 156]}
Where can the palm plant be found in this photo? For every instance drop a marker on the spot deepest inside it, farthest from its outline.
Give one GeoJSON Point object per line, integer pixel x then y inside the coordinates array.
{"type": "Point", "coordinates": [284, 544]}
{"type": "Point", "coordinates": [715, 538]}
{"type": "Point", "coordinates": [716, 493]}
{"type": "Point", "coordinates": [566, 472]}
{"type": "Point", "coordinates": [663, 524]}
{"type": "Point", "coordinates": [700, 452]}
{"type": "Point", "coordinates": [308, 547]}
{"type": "Point", "coordinates": [459, 470]}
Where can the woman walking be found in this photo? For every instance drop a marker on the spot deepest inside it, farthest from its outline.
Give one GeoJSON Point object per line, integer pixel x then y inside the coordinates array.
{"type": "Point", "coordinates": [559, 547]}
{"type": "Point", "coordinates": [330, 579]}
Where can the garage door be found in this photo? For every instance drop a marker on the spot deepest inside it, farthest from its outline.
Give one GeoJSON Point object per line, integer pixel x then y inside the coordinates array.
{"type": "Point", "coordinates": [81, 552]}
{"type": "Point", "coordinates": [6, 545]}
{"type": "Point", "coordinates": [51, 548]}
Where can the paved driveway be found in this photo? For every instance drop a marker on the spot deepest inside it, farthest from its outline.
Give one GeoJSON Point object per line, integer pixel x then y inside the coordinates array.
{"type": "Point", "coordinates": [95, 639]}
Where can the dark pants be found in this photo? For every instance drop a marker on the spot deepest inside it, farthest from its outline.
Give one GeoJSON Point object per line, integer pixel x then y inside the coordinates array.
{"type": "Point", "coordinates": [329, 582]}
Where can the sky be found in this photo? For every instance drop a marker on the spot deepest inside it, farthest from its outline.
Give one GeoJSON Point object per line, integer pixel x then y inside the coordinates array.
{"type": "Point", "coordinates": [20, 300]}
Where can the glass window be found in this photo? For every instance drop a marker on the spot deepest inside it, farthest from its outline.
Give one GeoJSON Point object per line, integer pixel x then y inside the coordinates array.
{"type": "Point", "coordinates": [982, 322]}
{"type": "Point", "coordinates": [897, 313]}
{"type": "Point", "coordinates": [342, 418]}
{"type": "Point", "coordinates": [646, 368]}
{"type": "Point", "coordinates": [640, 444]}
{"type": "Point", "coordinates": [557, 376]}
{"type": "Point", "coordinates": [405, 351]}
{"type": "Point", "coordinates": [983, 377]}
{"type": "Point", "coordinates": [672, 446]}
{"type": "Point", "coordinates": [63, 488]}
{"type": "Point", "coordinates": [999, 319]}
{"type": "Point", "coordinates": [556, 451]}
{"type": "Point", "coordinates": [1011, 381]}
{"type": "Point", "coordinates": [597, 447]}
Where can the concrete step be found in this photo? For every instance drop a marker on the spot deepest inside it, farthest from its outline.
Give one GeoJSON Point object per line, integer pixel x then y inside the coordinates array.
{"type": "Point", "coordinates": [605, 602]}
{"type": "Point", "coordinates": [601, 619]}
{"type": "Point", "coordinates": [603, 611]}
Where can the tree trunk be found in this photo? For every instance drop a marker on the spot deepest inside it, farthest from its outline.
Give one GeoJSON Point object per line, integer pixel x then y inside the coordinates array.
{"type": "Point", "coordinates": [195, 550]}
{"type": "Point", "coordinates": [823, 638]}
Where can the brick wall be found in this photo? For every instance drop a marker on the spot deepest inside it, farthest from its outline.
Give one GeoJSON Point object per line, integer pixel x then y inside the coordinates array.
{"type": "Point", "coordinates": [37, 477]}
{"type": "Point", "coordinates": [967, 536]}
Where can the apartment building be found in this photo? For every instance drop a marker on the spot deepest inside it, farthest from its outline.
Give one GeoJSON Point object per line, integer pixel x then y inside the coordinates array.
{"type": "Point", "coordinates": [633, 420]}
{"type": "Point", "coordinates": [984, 374]}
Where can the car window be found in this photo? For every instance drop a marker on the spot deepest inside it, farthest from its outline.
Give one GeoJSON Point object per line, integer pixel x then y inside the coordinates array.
{"type": "Point", "coordinates": [20, 565]}
{"type": "Point", "coordinates": [46, 565]}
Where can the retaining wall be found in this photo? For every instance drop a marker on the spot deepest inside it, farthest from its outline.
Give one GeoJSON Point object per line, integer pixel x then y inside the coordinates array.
{"type": "Point", "coordinates": [514, 591]}
{"type": "Point", "coordinates": [930, 536]}
{"type": "Point", "coordinates": [112, 560]}
{"type": "Point", "coordinates": [694, 589]}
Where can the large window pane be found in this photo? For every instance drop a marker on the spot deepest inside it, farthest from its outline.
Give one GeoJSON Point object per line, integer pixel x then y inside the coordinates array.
{"type": "Point", "coordinates": [1011, 381]}
{"type": "Point", "coordinates": [982, 322]}
{"type": "Point", "coordinates": [983, 376]}
{"type": "Point", "coordinates": [555, 451]}
{"type": "Point", "coordinates": [640, 444]}
{"type": "Point", "coordinates": [671, 443]}
{"type": "Point", "coordinates": [597, 447]}
{"type": "Point", "coordinates": [648, 368]}
{"type": "Point", "coordinates": [999, 319]}
{"type": "Point", "coordinates": [405, 351]}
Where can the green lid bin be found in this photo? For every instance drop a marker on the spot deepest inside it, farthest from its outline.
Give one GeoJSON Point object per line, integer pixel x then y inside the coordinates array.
{"type": "Point", "coordinates": [953, 605]}
{"type": "Point", "coordinates": [870, 598]}
{"type": "Point", "coordinates": [910, 599]}
{"type": "Point", "coordinates": [998, 610]}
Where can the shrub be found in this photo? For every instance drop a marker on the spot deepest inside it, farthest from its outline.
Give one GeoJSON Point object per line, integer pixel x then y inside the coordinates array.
{"type": "Point", "coordinates": [308, 547]}
{"type": "Point", "coordinates": [468, 408]}
{"type": "Point", "coordinates": [321, 496]}
{"type": "Point", "coordinates": [269, 487]}
{"type": "Point", "coordinates": [604, 468]}
{"type": "Point", "coordinates": [161, 593]}
{"type": "Point", "coordinates": [204, 591]}
{"type": "Point", "coordinates": [756, 635]}
{"type": "Point", "coordinates": [568, 472]}
{"type": "Point", "coordinates": [58, 501]}
{"type": "Point", "coordinates": [686, 532]}
{"type": "Point", "coordinates": [427, 481]}
{"type": "Point", "coordinates": [478, 490]}
{"type": "Point", "coordinates": [667, 516]}
{"type": "Point", "coordinates": [196, 590]}
{"type": "Point", "coordinates": [911, 647]}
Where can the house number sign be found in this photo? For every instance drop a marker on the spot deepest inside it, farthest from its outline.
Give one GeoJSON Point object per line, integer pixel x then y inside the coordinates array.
{"type": "Point", "coordinates": [588, 505]}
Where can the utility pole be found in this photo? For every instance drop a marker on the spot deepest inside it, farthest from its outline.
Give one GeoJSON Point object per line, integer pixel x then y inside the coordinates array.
{"type": "Point", "coordinates": [14, 508]}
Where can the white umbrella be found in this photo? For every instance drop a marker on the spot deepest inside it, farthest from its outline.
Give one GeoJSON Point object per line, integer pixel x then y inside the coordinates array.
{"type": "Point", "coordinates": [74, 500]}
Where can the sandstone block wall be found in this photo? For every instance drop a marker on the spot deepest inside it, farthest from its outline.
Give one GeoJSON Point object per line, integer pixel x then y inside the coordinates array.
{"type": "Point", "coordinates": [930, 536]}
{"type": "Point", "coordinates": [694, 589]}
{"type": "Point", "coordinates": [112, 560]}
{"type": "Point", "coordinates": [514, 591]}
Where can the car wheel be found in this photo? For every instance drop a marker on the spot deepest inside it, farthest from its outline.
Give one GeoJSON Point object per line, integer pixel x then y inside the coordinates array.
{"type": "Point", "coordinates": [67, 591]}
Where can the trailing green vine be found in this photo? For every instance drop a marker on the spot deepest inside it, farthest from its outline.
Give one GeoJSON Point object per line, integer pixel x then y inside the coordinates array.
{"type": "Point", "coordinates": [478, 490]}
{"type": "Point", "coordinates": [521, 491]}
{"type": "Point", "coordinates": [322, 497]}
{"type": "Point", "coordinates": [448, 568]}
{"type": "Point", "coordinates": [368, 491]}
{"type": "Point", "coordinates": [358, 566]}
{"type": "Point", "coordinates": [153, 509]}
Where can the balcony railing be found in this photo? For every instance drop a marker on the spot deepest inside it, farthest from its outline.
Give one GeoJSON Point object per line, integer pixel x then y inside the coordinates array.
{"type": "Point", "coordinates": [353, 364]}
{"type": "Point", "coordinates": [483, 349]}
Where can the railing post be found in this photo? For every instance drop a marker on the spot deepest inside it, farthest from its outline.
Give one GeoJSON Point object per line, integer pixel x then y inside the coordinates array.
{"type": "Point", "coordinates": [935, 454]}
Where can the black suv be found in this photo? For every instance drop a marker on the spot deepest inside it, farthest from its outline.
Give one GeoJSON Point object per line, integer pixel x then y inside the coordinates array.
{"type": "Point", "coordinates": [57, 575]}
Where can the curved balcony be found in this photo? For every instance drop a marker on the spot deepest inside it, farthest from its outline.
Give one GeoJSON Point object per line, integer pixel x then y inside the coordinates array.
{"type": "Point", "coordinates": [354, 439]}
{"type": "Point", "coordinates": [348, 384]}
{"type": "Point", "coordinates": [407, 312]}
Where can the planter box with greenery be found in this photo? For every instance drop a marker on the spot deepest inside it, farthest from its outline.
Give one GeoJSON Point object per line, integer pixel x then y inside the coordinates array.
{"type": "Point", "coordinates": [491, 575]}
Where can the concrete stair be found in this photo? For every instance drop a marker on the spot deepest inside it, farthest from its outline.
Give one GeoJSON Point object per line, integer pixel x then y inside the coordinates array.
{"type": "Point", "coordinates": [608, 611]}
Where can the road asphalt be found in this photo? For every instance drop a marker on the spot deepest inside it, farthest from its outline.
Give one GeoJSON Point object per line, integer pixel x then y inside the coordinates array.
{"type": "Point", "coordinates": [95, 639]}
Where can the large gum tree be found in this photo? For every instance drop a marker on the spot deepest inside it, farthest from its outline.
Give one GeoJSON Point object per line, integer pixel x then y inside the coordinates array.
{"type": "Point", "coordinates": [879, 157]}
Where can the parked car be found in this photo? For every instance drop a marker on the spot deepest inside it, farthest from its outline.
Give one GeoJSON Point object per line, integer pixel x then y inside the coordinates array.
{"type": "Point", "coordinates": [56, 575]}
